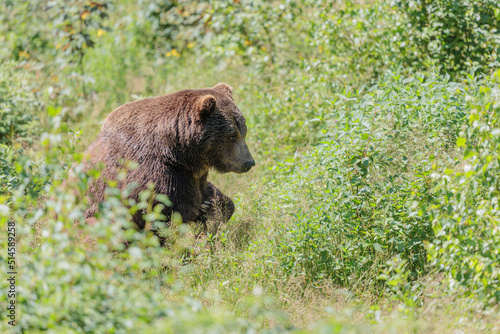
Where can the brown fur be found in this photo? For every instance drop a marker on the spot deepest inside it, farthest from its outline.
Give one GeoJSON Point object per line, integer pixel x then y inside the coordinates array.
{"type": "Point", "coordinates": [175, 140]}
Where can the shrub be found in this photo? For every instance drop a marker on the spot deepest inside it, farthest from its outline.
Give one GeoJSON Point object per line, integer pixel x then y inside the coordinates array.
{"type": "Point", "coordinates": [18, 105]}
{"type": "Point", "coordinates": [467, 245]}
{"type": "Point", "coordinates": [166, 25]}
{"type": "Point", "coordinates": [366, 178]}
{"type": "Point", "coordinates": [18, 173]}
{"type": "Point", "coordinates": [458, 35]}
{"type": "Point", "coordinates": [352, 43]}
{"type": "Point", "coordinates": [24, 29]}
{"type": "Point", "coordinates": [367, 39]}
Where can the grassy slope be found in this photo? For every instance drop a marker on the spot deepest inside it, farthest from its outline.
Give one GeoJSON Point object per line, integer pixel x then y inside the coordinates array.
{"type": "Point", "coordinates": [241, 257]}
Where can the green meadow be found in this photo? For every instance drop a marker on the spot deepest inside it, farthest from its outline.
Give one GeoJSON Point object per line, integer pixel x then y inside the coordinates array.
{"type": "Point", "coordinates": [373, 206]}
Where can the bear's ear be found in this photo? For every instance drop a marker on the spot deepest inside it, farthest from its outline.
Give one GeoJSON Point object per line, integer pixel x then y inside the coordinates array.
{"type": "Point", "coordinates": [205, 106]}
{"type": "Point", "coordinates": [224, 88]}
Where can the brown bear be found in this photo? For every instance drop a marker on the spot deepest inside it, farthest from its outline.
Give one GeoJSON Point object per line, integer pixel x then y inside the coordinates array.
{"type": "Point", "coordinates": [175, 140]}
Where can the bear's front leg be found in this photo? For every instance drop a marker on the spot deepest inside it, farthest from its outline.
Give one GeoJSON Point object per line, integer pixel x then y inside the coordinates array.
{"type": "Point", "coordinates": [215, 206]}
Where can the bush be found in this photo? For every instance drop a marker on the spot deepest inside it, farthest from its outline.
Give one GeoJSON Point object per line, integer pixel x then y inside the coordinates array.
{"type": "Point", "coordinates": [368, 39]}
{"type": "Point", "coordinates": [352, 43]}
{"type": "Point", "coordinates": [24, 29]}
{"type": "Point", "coordinates": [366, 180]}
{"type": "Point", "coordinates": [165, 25]}
{"type": "Point", "coordinates": [18, 105]}
{"type": "Point", "coordinates": [467, 245]}
{"type": "Point", "coordinates": [18, 173]}
{"type": "Point", "coordinates": [458, 35]}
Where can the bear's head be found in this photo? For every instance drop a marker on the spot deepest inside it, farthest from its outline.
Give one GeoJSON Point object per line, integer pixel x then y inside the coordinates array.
{"type": "Point", "coordinates": [225, 129]}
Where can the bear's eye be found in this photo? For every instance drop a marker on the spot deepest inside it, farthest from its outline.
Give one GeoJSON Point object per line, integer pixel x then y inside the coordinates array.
{"type": "Point", "coordinates": [233, 138]}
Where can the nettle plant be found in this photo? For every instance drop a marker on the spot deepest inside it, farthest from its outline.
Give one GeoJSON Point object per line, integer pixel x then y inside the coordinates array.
{"type": "Point", "coordinates": [369, 179]}
{"type": "Point", "coordinates": [466, 224]}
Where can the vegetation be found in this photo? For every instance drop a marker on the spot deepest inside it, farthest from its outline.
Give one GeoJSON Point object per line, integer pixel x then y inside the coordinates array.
{"type": "Point", "coordinates": [373, 206]}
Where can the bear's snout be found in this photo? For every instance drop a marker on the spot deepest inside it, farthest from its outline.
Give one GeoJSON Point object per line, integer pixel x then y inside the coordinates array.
{"type": "Point", "coordinates": [248, 165]}
{"type": "Point", "coordinates": [243, 160]}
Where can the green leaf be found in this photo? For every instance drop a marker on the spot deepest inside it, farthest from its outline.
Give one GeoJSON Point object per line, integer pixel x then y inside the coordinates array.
{"type": "Point", "coordinates": [378, 247]}
{"type": "Point", "coordinates": [52, 111]}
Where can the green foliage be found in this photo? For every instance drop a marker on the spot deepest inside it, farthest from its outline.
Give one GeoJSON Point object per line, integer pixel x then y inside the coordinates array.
{"type": "Point", "coordinates": [467, 245]}
{"type": "Point", "coordinates": [74, 23]}
{"type": "Point", "coordinates": [367, 39]}
{"type": "Point", "coordinates": [18, 105]}
{"type": "Point", "coordinates": [18, 173]}
{"type": "Point", "coordinates": [373, 180]}
{"type": "Point", "coordinates": [258, 31]}
{"type": "Point", "coordinates": [459, 35]}
{"type": "Point", "coordinates": [24, 34]}
{"type": "Point", "coordinates": [166, 25]}
{"type": "Point", "coordinates": [352, 42]}
{"type": "Point", "coordinates": [367, 177]}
